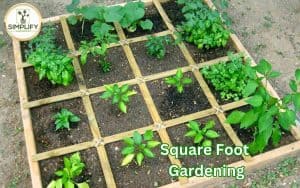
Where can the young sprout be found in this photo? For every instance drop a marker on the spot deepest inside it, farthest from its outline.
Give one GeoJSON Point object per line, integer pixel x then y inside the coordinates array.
{"type": "Point", "coordinates": [119, 95]}
{"type": "Point", "coordinates": [73, 167]}
{"type": "Point", "coordinates": [64, 118]}
{"type": "Point", "coordinates": [156, 46]}
{"type": "Point", "coordinates": [202, 136]}
{"type": "Point", "coordinates": [138, 147]}
{"type": "Point", "coordinates": [179, 81]}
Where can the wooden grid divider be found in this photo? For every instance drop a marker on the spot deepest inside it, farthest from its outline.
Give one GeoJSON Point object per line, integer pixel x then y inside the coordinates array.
{"type": "Point", "coordinates": [147, 97]}
{"type": "Point", "coordinates": [219, 112]}
{"type": "Point", "coordinates": [89, 110]}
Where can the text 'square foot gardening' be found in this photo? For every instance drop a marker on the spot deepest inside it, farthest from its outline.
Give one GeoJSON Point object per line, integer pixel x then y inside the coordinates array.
{"type": "Point", "coordinates": [148, 94]}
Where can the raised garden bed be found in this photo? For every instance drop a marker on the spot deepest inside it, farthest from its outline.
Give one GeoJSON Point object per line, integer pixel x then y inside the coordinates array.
{"type": "Point", "coordinates": [156, 106]}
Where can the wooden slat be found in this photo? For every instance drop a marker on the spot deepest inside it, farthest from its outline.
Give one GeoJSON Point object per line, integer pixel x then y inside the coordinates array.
{"type": "Point", "coordinates": [26, 118]}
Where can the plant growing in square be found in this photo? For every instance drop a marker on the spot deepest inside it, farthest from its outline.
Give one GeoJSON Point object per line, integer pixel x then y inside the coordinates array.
{"type": "Point", "coordinates": [179, 81]}
{"type": "Point", "coordinates": [119, 95]}
{"type": "Point", "coordinates": [228, 78]}
{"type": "Point", "coordinates": [64, 118]}
{"type": "Point", "coordinates": [73, 167]}
{"type": "Point", "coordinates": [156, 46]}
{"type": "Point", "coordinates": [202, 136]}
{"type": "Point", "coordinates": [268, 116]}
{"type": "Point", "coordinates": [138, 147]}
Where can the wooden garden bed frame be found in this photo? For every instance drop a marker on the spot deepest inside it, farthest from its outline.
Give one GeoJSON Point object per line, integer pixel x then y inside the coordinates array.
{"type": "Point", "coordinates": [160, 126]}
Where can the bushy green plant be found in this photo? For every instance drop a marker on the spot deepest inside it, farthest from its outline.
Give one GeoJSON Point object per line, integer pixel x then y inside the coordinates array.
{"type": "Point", "coordinates": [119, 95]}
{"type": "Point", "coordinates": [73, 167]}
{"type": "Point", "coordinates": [202, 136]}
{"type": "Point", "coordinates": [179, 81]}
{"type": "Point", "coordinates": [105, 66]}
{"type": "Point", "coordinates": [48, 59]}
{"type": "Point", "coordinates": [93, 48]}
{"type": "Point", "coordinates": [64, 118]}
{"type": "Point", "coordinates": [268, 116]}
{"type": "Point", "coordinates": [138, 147]}
{"type": "Point", "coordinates": [228, 78]}
{"type": "Point", "coordinates": [202, 26]}
{"type": "Point", "coordinates": [156, 46]}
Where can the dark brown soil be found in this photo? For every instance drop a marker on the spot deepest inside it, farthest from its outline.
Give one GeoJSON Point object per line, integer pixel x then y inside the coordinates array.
{"type": "Point", "coordinates": [94, 76]}
{"type": "Point", "coordinates": [246, 135]}
{"type": "Point", "coordinates": [38, 89]}
{"type": "Point", "coordinates": [78, 35]}
{"type": "Point", "coordinates": [112, 121]}
{"type": "Point", "coordinates": [173, 11]}
{"type": "Point", "coordinates": [171, 104]}
{"type": "Point", "coordinates": [150, 65]}
{"type": "Point", "coordinates": [92, 172]}
{"type": "Point", "coordinates": [177, 133]}
{"type": "Point", "coordinates": [44, 128]}
{"type": "Point", "coordinates": [152, 173]}
{"type": "Point", "coordinates": [60, 41]}
{"type": "Point", "coordinates": [158, 24]}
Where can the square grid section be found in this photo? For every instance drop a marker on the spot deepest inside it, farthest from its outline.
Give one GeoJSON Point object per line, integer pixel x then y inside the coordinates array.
{"type": "Point", "coordinates": [141, 80]}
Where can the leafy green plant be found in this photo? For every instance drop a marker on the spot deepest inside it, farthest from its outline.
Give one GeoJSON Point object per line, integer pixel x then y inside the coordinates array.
{"type": "Point", "coordinates": [202, 136]}
{"type": "Point", "coordinates": [156, 46]}
{"type": "Point", "coordinates": [119, 95]}
{"type": "Point", "coordinates": [268, 116]}
{"type": "Point", "coordinates": [202, 26]}
{"type": "Point", "coordinates": [64, 118]}
{"type": "Point", "coordinates": [228, 78]}
{"type": "Point", "coordinates": [179, 81]}
{"type": "Point", "coordinates": [48, 59]}
{"type": "Point", "coordinates": [138, 147]}
{"type": "Point", "coordinates": [73, 167]}
{"type": "Point", "coordinates": [93, 48]}
{"type": "Point", "coordinates": [105, 66]}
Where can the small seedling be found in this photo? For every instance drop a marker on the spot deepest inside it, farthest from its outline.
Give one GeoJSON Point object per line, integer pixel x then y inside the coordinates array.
{"type": "Point", "coordinates": [105, 66]}
{"type": "Point", "coordinates": [119, 95]}
{"type": "Point", "coordinates": [64, 118]}
{"type": "Point", "coordinates": [156, 46]}
{"type": "Point", "coordinates": [202, 136]}
{"type": "Point", "coordinates": [179, 81]}
{"type": "Point", "coordinates": [138, 147]}
{"type": "Point", "coordinates": [73, 167]}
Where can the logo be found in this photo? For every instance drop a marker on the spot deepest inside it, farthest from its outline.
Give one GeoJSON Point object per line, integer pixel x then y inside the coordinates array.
{"type": "Point", "coordinates": [23, 21]}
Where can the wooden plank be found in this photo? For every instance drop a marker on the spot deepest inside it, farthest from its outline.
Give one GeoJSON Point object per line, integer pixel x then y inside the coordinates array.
{"type": "Point", "coordinates": [63, 151]}
{"type": "Point", "coordinates": [26, 118]}
{"type": "Point", "coordinates": [233, 105]}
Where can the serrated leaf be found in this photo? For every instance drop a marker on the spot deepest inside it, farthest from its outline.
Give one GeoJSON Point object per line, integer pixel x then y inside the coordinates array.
{"type": "Point", "coordinates": [250, 88]}
{"type": "Point", "coordinates": [249, 119]}
{"type": "Point", "coordinates": [127, 159]}
{"type": "Point", "coordinates": [235, 117]}
{"type": "Point", "coordinates": [255, 101]}
{"type": "Point", "coordinates": [139, 158]}
{"type": "Point", "coordinates": [265, 122]}
{"type": "Point", "coordinates": [263, 67]}
{"type": "Point", "coordinates": [287, 119]}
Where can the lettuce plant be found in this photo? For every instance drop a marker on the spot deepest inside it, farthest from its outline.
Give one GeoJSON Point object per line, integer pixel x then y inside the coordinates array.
{"type": "Point", "coordinates": [179, 81]}
{"type": "Point", "coordinates": [119, 95]}
{"type": "Point", "coordinates": [268, 116]}
{"type": "Point", "coordinates": [64, 118]}
{"type": "Point", "coordinates": [202, 136]}
{"type": "Point", "coordinates": [138, 147]}
{"type": "Point", "coordinates": [73, 167]}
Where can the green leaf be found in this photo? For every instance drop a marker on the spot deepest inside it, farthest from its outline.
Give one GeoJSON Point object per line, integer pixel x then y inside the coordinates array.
{"type": "Point", "coordinates": [148, 135]}
{"type": "Point", "coordinates": [139, 158]}
{"type": "Point", "coordinates": [276, 136]}
{"type": "Point", "coordinates": [72, 20]}
{"type": "Point", "coordinates": [82, 185]}
{"type": "Point", "coordinates": [235, 117]}
{"type": "Point", "coordinates": [127, 159]}
{"type": "Point", "coordinates": [152, 144]}
{"type": "Point", "coordinates": [260, 142]}
{"type": "Point", "coordinates": [207, 143]}
{"type": "Point", "coordinates": [69, 184]}
{"type": "Point", "coordinates": [212, 134]}
{"type": "Point", "coordinates": [137, 137]}
{"type": "Point", "coordinates": [179, 73]}
{"type": "Point", "coordinates": [287, 119]}
{"type": "Point", "coordinates": [146, 25]}
{"type": "Point", "coordinates": [274, 74]}
{"type": "Point", "coordinates": [191, 133]}
{"type": "Point", "coordinates": [210, 124]}
{"type": "Point", "coordinates": [297, 75]}
{"type": "Point", "coordinates": [128, 141]}
{"type": "Point", "coordinates": [74, 119]}
{"type": "Point", "coordinates": [249, 119]}
{"type": "Point", "coordinates": [198, 138]}
{"type": "Point", "coordinates": [255, 101]}
{"type": "Point", "coordinates": [187, 81]}
{"type": "Point", "coordinates": [122, 107]}
{"type": "Point", "coordinates": [193, 125]}
{"type": "Point", "coordinates": [128, 150]}
{"type": "Point", "coordinates": [148, 153]}
{"type": "Point", "coordinates": [263, 67]}
{"type": "Point", "coordinates": [92, 12]}
{"type": "Point", "coordinates": [106, 95]}
{"type": "Point", "coordinates": [250, 88]}
{"type": "Point", "coordinates": [113, 14]}
{"type": "Point", "coordinates": [265, 123]}
{"type": "Point", "coordinates": [52, 184]}
{"type": "Point", "coordinates": [293, 85]}
{"type": "Point", "coordinates": [296, 99]}
{"type": "Point", "coordinates": [72, 7]}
